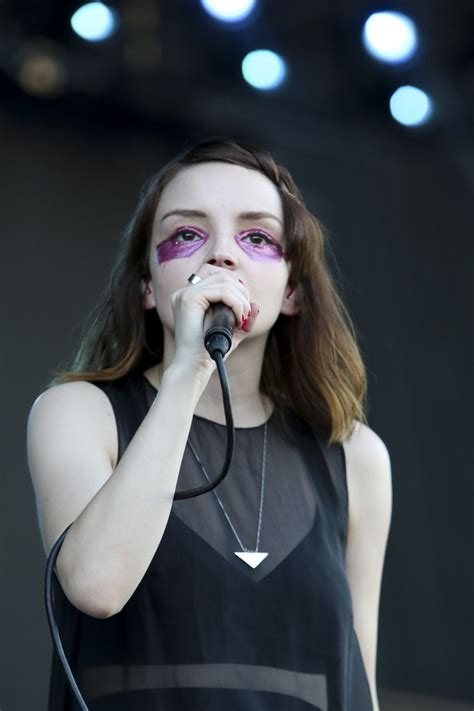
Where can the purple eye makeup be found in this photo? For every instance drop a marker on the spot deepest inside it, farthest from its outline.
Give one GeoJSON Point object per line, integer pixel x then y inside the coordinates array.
{"type": "Point", "coordinates": [185, 241]}
{"type": "Point", "coordinates": [266, 249]}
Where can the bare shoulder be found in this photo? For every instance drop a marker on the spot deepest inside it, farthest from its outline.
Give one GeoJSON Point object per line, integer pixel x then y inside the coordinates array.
{"type": "Point", "coordinates": [69, 453]}
{"type": "Point", "coordinates": [364, 444]}
{"type": "Point", "coordinates": [368, 471]}
{"type": "Point", "coordinates": [88, 403]}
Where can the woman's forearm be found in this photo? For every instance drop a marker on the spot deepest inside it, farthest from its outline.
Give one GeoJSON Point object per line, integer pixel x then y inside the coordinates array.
{"type": "Point", "coordinates": [109, 547]}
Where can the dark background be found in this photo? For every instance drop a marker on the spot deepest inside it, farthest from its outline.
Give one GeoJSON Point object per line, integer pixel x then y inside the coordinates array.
{"type": "Point", "coordinates": [398, 206]}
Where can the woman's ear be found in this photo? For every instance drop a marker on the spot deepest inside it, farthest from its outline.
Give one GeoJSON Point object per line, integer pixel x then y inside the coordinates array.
{"type": "Point", "coordinates": [290, 304]}
{"type": "Point", "coordinates": [148, 296]}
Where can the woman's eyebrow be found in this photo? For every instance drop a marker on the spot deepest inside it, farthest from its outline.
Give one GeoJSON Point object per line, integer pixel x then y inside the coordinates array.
{"type": "Point", "coordinates": [249, 215]}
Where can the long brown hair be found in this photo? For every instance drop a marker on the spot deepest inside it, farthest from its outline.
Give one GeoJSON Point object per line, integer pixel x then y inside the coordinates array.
{"type": "Point", "coordinates": [312, 362]}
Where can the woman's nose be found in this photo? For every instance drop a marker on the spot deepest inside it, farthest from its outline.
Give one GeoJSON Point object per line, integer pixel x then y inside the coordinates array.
{"type": "Point", "coordinates": [222, 254]}
{"type": "Point", "coordinates": [223, 259]}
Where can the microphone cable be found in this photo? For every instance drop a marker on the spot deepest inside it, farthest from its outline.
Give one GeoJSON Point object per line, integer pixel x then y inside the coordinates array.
{"type": "Point", "coordinates": [217, 340]}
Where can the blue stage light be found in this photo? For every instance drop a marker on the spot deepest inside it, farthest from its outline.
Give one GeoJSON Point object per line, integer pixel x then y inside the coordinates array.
{"type": "Point", "coordinates": [390, 36]}
{"type": "Point", "coordinates": [263, 69]}
{"type": "Point", "coordinates": [94, 22]}
{"type": "Point", "coordinates": [410, 106]}
{"type": "Point", "coordinates": [229, 10]}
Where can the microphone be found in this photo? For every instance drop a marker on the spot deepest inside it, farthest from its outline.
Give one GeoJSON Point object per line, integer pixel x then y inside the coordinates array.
{"type": "Point", "coordinates": [219, 321]}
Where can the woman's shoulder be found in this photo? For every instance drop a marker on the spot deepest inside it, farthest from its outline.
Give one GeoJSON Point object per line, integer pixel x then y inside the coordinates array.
{"type": "Point", "coordinates": [363, 444]}
{"type": "Point", "coordinates": [78, 401]}
{"type": "Point", "coordinates": [92, 391]}
{"type": "Point", "coordinates": [71, 392]}
{"type": "Point", "coordinates": [368, 471]}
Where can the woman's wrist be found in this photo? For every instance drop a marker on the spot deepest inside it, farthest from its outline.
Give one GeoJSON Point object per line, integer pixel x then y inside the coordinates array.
{"type": "Point", "coordinates": [182, 375]}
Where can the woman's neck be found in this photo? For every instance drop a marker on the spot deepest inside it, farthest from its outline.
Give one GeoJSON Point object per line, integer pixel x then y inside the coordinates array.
{"type": "Point", "coordinates": [250, 407]}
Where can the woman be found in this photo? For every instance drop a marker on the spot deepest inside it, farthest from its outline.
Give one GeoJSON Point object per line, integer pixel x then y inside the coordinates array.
{"type": "Point", "coordinates": [262, 594]}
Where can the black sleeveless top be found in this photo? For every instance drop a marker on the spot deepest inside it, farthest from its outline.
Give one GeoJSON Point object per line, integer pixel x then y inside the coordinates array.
{"type": "Point", "coordinates": [203, 630]}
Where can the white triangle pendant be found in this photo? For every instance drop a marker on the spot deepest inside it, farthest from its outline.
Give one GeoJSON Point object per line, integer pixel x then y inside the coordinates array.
{"type": "Point", "coordinates": [253, 559]}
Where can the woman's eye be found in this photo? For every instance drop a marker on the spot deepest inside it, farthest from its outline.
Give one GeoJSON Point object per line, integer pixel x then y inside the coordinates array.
{"type": "Point", "coordinates": [257, 235]}
{"type": "Point", "coordinates": [185, 233]}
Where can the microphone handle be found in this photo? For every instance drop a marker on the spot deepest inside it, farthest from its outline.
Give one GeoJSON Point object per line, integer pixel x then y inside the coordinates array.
{"type": "Point", "coordinates": [219, 315]}
{"type": "Point", "coordinates": [219, 321]}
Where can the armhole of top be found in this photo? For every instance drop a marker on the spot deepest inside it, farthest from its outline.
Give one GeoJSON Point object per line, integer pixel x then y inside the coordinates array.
{"type": "Point", "coordinates": [336, 462]}
{"type": "Point", "coordinates": [345, 494]}
{"type": "Point", "coordinates": [128, 399]}
{"type": "Point", "coordinates": [105, 387]}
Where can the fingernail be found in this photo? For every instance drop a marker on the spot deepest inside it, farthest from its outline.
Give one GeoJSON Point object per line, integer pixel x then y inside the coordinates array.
{"type": "Point", "coordinates": [255, 310]}
{"type": "Point", "coordinates": [244, 323]}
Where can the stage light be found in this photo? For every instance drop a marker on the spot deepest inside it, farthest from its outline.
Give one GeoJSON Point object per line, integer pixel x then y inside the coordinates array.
{"type": "Point", "coordinates": [390, 36]}
{"type": "Point", "coordinates": [263, 69]}
{"type": "Point", "coordinates": [410, 106]}
{"type": "Point", "coordinates": [41, 73]}
{"type": "Point", "coordinates": [94, 21]}
{"type": "Point", "coordinates": [228, 10]}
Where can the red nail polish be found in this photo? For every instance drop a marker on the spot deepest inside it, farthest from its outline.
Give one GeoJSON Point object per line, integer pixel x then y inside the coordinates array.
{"type": "Point", "coordinates": [244, 323]}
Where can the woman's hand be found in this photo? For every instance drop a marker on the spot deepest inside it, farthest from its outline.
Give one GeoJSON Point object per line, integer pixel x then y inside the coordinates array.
{"type": "Point", "coordinates": [189, 306]}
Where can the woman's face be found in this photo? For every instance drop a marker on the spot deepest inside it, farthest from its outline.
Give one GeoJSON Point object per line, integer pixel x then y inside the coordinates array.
{"type": "Point", "coordinates": [214, 230]}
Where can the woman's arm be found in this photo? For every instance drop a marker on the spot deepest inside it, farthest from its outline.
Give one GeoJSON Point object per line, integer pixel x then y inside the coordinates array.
{"type": "Point", "coordinates": [370, 508]}
{"type": "Point", "coordinates": [119, 514]}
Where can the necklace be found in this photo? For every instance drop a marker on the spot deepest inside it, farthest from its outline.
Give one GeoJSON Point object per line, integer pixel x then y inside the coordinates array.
{"type": "Point", "coordinates": [252, 558]}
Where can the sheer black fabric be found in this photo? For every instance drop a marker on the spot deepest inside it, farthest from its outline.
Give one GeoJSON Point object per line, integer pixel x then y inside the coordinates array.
{"type": "Point", "coordinates": [203, 630]}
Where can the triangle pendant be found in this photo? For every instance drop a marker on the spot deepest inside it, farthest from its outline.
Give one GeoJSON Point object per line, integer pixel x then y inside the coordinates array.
{"type": "Point", "coordinates": [253, 558]}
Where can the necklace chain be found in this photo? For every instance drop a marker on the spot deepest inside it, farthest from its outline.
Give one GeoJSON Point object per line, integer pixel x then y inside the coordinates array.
{"type": "Point", "coordinates": [264, 456]}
